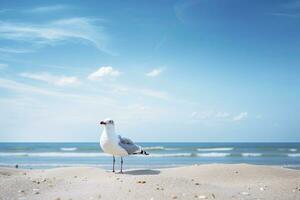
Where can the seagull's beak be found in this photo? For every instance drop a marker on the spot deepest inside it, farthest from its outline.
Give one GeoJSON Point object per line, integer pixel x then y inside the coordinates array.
{"type": "Point", "coordinates": [102, 123]}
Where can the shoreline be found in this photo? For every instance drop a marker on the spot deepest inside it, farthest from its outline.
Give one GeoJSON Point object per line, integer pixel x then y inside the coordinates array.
{"type": "Point", "coordinates": [207, 181]}
{"type": "Point", "coordinates": [106, 167]}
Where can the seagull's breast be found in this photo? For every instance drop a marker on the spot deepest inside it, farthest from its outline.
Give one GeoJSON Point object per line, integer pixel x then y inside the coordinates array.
{"type": "Point", "coordinates": [110, 145]}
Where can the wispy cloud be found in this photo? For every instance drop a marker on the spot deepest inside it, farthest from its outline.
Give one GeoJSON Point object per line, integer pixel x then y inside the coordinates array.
{"type": "Point", "coordinates": [241, 116]}
{"type": "Point", "coordinates": [155, 72]}
{"type": "Point", "coordinates": [14, 50]}
{"type": "Point", "coordinates": [289, 9]}
{"type": "Point", "coordinates": [20, 87]}
{"type": "Point", "coordinates": [154, 93]}
{"type": "Point", "coordinates": [218, 115]}
{"type": "Point", "coordinates": [79, 30]}
{"type": "Point", "coordinates": [50, 8]}
{"type": "Point", "coordinates": [3, 65]}
{"type": "Point", "coordinates": [49, 78]}
{"type": "Point", "coordinates": [210, 115]}
{"type": "Point", "coordinates": [104, 72]}
{"type": "Point", "coordinates": [284, 14]}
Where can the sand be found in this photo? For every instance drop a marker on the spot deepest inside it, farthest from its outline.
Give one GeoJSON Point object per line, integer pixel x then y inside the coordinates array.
{"type": "Point", "coordinates": [214, 181]}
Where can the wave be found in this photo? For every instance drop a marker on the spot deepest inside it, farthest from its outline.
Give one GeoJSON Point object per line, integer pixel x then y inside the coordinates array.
{"type": "Point", "coordinates": [54, 154]}
{"type": "Point", "coordinates": [294, 154]}
{"type": "Point", "coordinates": [154, 148]}
{"type": "Point", "coordinates": [293, 150]}
{"type": "Point", "coordinates": [68, 148]}
{"type": "Point", "coordinates": [251, 154]}
{"type": "Point", "coordinates": [216, 149]}
{"type": "Point", "coordinates": [172, 149]}
{"type": "Point", "coordinates": [172, 155]}
{"type": "Point", "coordinates": [191, 155]}
{"type": "Point", "coordinates": [213, 154]}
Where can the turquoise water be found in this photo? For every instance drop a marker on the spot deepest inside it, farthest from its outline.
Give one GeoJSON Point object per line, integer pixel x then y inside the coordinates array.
{"type": "Point", "coordinates": [48, 155]}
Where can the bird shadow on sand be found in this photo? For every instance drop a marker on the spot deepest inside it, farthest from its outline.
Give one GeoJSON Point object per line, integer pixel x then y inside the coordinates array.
{"type": "Point", "coordinates": [138, 172]}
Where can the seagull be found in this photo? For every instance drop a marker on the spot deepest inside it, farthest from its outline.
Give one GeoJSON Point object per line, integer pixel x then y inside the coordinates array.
{"type": "Point", "coordinates": [116, 145]}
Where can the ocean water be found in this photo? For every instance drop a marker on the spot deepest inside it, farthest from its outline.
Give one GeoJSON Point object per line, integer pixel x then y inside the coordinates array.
{"type": "Point", "coordinates": [49, 155]}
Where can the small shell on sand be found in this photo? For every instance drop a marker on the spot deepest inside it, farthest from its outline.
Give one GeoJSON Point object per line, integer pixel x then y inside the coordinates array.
{"type": "Point", "coordinates": [200, 196]}
{"type": "Point", "coordinates": [245, 193]}
{"type": "Point", "coordinates": [21, 191]}
{"type": "Point", "coordinates": [262, 189]}
{"type": "Point", "coordinates": [174, 197]}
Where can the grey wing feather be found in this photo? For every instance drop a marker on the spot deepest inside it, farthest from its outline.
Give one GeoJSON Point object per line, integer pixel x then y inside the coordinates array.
{"type": "Point", "coordinates": [128, 145]}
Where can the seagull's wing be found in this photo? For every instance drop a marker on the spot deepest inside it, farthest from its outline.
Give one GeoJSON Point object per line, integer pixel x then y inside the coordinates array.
{"type": "Point", "coordinates": [129, 146]}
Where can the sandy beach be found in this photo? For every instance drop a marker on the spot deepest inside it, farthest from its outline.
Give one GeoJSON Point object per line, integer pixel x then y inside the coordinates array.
{"type": "Point", "coordinates": [214, 181]}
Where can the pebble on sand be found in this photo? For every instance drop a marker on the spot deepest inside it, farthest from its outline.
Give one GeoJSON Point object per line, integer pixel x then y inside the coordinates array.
{"type": "Point", "coordinates": [200, 196]}
{"type": "Point", "coordinates": [174, 197]}
{"type": "Point", "coordinates": [245, 193]}
{"type": "Point", "coordinates": [142, 182]}
{"type": "Point", "coordinates": [197, 183]}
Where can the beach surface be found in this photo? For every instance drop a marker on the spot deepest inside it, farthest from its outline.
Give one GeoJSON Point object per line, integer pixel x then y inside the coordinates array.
{"type": "Point", "coordinates": [213, 181]}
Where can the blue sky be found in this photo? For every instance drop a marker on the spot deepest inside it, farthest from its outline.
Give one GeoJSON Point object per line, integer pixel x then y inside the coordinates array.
{"type": "Point", "coordinates": [205, 70]}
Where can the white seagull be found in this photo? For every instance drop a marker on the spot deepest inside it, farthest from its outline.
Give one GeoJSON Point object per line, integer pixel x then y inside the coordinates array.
{"type": "Point", "coordinates": [116, 145]}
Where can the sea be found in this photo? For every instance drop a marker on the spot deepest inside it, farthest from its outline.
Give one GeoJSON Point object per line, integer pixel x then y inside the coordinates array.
{"type": "Point", "coordinates": [162, 155]}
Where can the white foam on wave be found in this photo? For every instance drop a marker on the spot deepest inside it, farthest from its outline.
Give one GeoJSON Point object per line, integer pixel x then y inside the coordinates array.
{"type": "Point", "coordinates": [68, 148]}
{"type": "Point", "coordinates": [251, 154]}
{"type": "Point", "coordinates": [216, 149]}
{"type": "Point", "coordinates": [172, 149]}
{"type": "Point", "coordinates": [293, 150]}
{"type": "Point", "coordinates": [294, 154]}
{"type": "Point", "coordinates": [213, 154]}
{"type": "Point", "coordinates": [54, 154]}
{"type": "Point", "coordinates": [154, 148]}
{"type": "Point", "coordinates": [170, 155]}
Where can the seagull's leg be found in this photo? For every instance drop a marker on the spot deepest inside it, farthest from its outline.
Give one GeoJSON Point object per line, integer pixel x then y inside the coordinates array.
{"type": "Point", "coordinates": [114, 160]}
{"type": "Point", "coordinates": [121, 165]}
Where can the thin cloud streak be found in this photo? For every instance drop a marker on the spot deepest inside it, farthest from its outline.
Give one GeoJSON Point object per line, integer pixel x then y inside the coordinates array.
{"type": "Point", "coordinates": [52, 79]}
{"type": "Point", "coordinates": [155, 72]}
{"type": "Point", "coordinates": [50, 8]}
{"type": "Point", "coordinates": [104, 72]}
{"type": "Point", "coordinates": [3, 65]}
{"type": "Point", "coordinates": [240, 117]}
{"type": "Point", "coordinates": [64, 30]}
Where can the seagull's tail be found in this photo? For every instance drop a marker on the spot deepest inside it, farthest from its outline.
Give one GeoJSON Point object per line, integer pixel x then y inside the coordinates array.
{"type": "Point", "coordinates": [144, 152]}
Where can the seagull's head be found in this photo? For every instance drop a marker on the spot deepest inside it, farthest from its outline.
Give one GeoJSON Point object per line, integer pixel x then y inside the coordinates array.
{"type": "Point", "coordinates": [107, 123]}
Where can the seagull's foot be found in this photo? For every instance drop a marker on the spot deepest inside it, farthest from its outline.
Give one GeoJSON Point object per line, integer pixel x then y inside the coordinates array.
{"type": "Point", "coordinates": [113, 170]}
{"type": "Point", "coordinates": [121, 172]}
